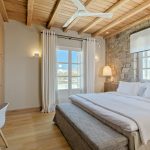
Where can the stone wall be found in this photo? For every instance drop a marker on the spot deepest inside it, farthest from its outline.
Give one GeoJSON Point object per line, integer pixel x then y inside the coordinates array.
{"type": "Point", "coordinates": [124, 64]}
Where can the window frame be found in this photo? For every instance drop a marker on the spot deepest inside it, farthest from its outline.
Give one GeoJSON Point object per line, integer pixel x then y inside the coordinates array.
{"type": "Point", "coordinates": [140, 66]}
{"type": "Point", "coordinates": [70, 63]}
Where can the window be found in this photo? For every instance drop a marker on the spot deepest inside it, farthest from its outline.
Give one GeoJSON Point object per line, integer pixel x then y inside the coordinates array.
{"type": "Point", "coordinates": [68, 68]}
{"type": "Point", "coordinates": [144, 65]}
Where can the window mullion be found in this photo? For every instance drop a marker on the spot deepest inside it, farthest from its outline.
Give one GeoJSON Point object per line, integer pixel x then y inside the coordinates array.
{"type": "Point", "coordinates": [144, 66]}
{"type": "Point", "coordinates": [69, 70]}
{"type": "Point", "coordinates": [77, 79]}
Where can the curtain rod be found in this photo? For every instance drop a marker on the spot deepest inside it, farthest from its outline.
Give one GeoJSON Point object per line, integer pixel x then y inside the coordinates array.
{"type": "Point", "coordinates": [69, 37]}
{"type": "Point", "coordinates": [72, 38]}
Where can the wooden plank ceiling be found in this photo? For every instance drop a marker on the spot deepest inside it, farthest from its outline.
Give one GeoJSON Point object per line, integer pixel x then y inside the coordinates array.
{"type": "Point", "coordinates": [54, 13]}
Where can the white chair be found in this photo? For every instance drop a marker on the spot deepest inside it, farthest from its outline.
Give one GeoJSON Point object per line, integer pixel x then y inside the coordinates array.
{"type": "Point", "coordinates": [3, 109]}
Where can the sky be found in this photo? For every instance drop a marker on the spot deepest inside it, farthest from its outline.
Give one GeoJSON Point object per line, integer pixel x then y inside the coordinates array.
{"type": "Point", "coordinates": [62, 56]}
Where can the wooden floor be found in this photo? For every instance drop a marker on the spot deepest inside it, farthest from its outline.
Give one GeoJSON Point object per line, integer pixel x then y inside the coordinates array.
{"type": "Point", "coordinates": [33, 131]}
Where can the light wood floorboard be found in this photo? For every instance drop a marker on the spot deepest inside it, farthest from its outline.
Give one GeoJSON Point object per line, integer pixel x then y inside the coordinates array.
{"type": "Point", "coordinates": [33, 131]}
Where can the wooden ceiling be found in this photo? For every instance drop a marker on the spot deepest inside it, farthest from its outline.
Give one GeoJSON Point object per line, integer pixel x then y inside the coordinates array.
{"type": "Point", "coordinates": [49, 13]}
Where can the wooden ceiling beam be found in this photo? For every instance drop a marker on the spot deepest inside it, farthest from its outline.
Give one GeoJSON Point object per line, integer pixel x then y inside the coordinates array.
{"type": "Point", "coordinates": [30, 12]}
{"type": "Point", "coordinates": [54, 13]}
{"type": "Point", "coordinates": [97, 20]}
{"type": "Point", "coordinates": [3, 11]}
{"type": "Point", "coordinates": [141, 20]}
{"type": "Point", "coordinates": [124, 17]}
{"type": "Point", "coordinates": [86, 4]}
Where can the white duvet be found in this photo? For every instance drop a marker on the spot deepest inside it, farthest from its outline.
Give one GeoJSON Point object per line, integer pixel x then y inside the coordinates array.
{"type": "Point", "coordinates": [129, 112]}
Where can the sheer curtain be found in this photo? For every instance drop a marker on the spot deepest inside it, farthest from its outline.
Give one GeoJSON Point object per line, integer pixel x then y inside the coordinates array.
{"type": "Point", "coordinates": [88, 47]}
{"type": "Point", "coordinates": [49, 71]}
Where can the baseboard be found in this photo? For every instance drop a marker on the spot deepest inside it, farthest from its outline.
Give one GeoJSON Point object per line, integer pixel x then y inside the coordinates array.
{"type": "Point", "coordinates": [24, 110]}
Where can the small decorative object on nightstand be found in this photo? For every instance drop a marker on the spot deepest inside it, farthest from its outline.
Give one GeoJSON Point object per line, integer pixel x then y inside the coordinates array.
{"type": "Point", "coordinates": [110, 86]}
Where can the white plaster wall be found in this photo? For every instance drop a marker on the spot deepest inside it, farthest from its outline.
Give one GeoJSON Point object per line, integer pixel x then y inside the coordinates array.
{"type": "Point", "coordinates": [22, 84]}
{"type": "Point", "coordinates": [22, 71]}
{"type": "Point", "coordinates": [1, 60]}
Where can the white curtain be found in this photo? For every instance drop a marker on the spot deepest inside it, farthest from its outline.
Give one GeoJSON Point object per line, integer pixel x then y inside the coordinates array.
{"type": "Point", "coordinates": [89, 47]}
{"type": "Point", "coordinates": [49, 71]}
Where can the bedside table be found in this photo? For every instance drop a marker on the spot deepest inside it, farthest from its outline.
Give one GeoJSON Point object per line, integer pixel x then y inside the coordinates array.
{"type": "Point", "coordinates": [110, 86]}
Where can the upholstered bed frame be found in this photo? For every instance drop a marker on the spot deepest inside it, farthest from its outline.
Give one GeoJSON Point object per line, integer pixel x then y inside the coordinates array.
{"type": "Point", "coordinates": [85, 132]}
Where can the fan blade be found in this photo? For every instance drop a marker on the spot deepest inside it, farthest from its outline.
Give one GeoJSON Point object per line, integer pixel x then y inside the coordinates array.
{"type": "Point", "coordinates": [79, 4]}
{"type": "Point", "coordinates": [75, 15]}
{"type": "Point", "coordinates": [103, 15]}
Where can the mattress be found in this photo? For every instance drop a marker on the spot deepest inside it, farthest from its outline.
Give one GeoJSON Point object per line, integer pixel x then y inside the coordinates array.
{"type": "Point", "coordinates": [117, 119]}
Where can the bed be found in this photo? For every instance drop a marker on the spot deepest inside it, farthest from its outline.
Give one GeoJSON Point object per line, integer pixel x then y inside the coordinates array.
{"type": "Point", "coordinates": [128, 115]}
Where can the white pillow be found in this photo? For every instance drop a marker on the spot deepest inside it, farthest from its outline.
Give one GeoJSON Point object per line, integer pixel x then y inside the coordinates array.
{"type": "Point", "coordinates": [129, 88]}
{"type": "Point", "coordinates": [147, 92]}
{"type": "Point", "coordinates": [142, 89]}
{"type": "Point", "coordinates": [147, 84]}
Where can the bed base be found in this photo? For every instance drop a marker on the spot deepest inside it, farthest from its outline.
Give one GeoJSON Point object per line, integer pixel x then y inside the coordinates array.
{"type": "Point", "coordinates": [80, 141]}
{"type": "Point", "coordinates": [84, 132]}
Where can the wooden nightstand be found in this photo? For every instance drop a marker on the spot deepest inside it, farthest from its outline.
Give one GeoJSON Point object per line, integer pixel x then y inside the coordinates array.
{"type": "Point", "coordinates": [110, 86]}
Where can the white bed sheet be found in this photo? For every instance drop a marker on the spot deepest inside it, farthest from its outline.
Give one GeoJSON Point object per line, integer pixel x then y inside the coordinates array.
{"type": "Point", "coordinates": [117, 119]}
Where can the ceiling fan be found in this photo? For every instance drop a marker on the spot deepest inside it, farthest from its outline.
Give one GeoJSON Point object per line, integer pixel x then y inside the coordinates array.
{"type": "Point", "coordinates": [83, 12]}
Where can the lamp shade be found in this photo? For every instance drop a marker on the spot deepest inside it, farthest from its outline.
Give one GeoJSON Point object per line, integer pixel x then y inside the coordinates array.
{"type": "Point", "coordinates": [107, 71]}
